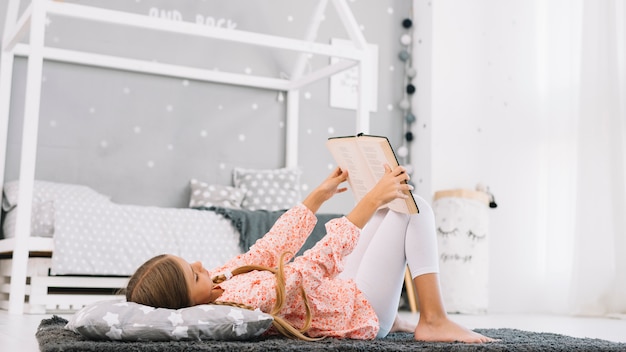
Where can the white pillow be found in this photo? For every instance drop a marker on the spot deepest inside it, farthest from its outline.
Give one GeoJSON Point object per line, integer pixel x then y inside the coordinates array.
{"type": "Point", "coordinates": [41, 221]}
{"type": "Point", "coordinates": [45, 194]}
{"type": "Point", "coordinates": [272, 189]}
{"type": "Point", "coordinates": [206, 195]}
{"type": "Point", "coordinates": [50, 191]}
{"type": "Point", "coordinates": [128, 321]}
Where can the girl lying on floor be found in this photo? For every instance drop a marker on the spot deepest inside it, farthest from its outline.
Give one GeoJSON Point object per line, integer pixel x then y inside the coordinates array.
{"type": "Point", "coordinates": [347, 286]}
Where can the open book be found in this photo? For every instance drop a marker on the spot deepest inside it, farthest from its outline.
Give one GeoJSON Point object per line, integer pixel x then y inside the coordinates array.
{"type": "Point", "coordinates": [365, 157]}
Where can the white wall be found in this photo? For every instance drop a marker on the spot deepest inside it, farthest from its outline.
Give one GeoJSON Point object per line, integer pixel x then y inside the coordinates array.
{"type": "Point", "coordinates": [123, 133]}
{"type": "Point", "coordinates": [484, 86]}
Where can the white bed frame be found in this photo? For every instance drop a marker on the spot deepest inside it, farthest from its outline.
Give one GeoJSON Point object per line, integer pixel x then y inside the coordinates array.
{"type": "Point", "coordinates": [28, 276]}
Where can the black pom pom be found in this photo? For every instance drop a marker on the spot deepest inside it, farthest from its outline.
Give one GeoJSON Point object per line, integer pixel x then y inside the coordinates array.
{"type": "Point", "coordinates": [410, 89]}
{"type": "Point", "coordinates": [492, 201]}
{"type": "Point", "coordinates": [407, 23]}
{"type": "Point", "coordinates": [408, 136]}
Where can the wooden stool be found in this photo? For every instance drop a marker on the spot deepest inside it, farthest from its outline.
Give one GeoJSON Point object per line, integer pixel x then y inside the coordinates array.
{"type": "Point", "coordinates": [410, 290]}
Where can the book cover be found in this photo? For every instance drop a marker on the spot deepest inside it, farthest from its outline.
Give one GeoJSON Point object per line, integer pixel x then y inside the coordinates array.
{"type": "Point", "coordinates": [364, 156]}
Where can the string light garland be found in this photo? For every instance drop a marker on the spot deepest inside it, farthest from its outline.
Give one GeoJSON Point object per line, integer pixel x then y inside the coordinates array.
{"type": "Point", "coordinates": [406, 40]}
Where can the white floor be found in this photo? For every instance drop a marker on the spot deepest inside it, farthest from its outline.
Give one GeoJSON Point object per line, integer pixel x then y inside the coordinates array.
{"type": "Point", "coordinates": [17, 332]}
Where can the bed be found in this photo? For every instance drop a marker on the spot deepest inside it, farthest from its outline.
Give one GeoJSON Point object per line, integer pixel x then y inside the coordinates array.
{"type": "Point", "coordinates": [95, 244]}
{"type": "Point", "coordinates": [26, 258]}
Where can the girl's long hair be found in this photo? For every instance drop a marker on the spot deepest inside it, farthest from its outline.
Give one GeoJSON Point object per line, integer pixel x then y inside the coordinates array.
{"type": "Point", "coordinates": [160, 282]}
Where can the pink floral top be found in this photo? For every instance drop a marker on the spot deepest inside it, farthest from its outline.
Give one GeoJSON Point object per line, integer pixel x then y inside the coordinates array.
{"type": "Point", "coordinates": [339, 309]}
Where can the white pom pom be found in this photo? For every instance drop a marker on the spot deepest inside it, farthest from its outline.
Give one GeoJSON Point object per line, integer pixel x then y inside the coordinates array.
{"type": "Point", "coordinates": [405, 39]}
{"type": "Point", "coordinates": [403, 151]}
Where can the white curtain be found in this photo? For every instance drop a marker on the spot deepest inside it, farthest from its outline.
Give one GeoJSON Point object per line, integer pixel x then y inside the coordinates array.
{"type": "Point", "coordinates": [545, 83]}
{"type": "Point", "coordinates": [581, 57]}
{"type": "Point", "coordinates": [599, 270]}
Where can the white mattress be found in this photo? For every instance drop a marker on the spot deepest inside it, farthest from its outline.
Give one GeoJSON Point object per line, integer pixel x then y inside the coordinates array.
{"type": "Point", "coordinates": [104, 238]}
{"type": "Point", "coordinates": [112, 239]}
{"type": "Point", "coordinates": [94, 236]}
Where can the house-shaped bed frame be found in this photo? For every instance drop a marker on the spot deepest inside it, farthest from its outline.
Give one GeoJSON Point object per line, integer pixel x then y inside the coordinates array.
{"type": "Point", "coordinates": [30, 25]}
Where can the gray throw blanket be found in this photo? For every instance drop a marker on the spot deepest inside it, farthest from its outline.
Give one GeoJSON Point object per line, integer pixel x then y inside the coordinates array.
{"type": "Point", "coordinates": [254, 224]}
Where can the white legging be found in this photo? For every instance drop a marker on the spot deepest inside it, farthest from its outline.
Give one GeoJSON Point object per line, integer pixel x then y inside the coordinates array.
{"type": "Point", "coordinates": [388, 242]}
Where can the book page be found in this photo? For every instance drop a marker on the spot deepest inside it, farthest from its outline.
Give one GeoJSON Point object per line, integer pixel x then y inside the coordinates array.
{"type": "Point", "coordinates": [348, 157]}
{"type": "Point", "coordinates": [365, 157]}
{"type": "Point", "coordinates": [374, 152]}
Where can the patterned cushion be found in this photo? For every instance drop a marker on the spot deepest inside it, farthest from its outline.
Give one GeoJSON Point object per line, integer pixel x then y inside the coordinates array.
{"type": "Point", "coordinates": [274, 189]}
{"type": "Point", "coordinates": [128, 321]}
{"type": "Point", "coordinates": [206, 195]}
{"type": "Point", "coordinates": [45, 194]}
{"type": "Point", "coordinates": [49, 191]}
{"type": "Point", "coordinates": [41, 220]}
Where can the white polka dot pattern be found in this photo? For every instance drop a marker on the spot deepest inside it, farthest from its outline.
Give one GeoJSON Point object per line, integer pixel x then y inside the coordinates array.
{"type": "Point", "coordinates": [42, 220]}
{"type": "Point", "coordinates": [94, 236]}
{"type": "Point", "coordinates": [273, 189]}
{"type": "Point", "coordinates": [113, 239]}
{"type": "Point", "coordinates": [50, 191]}
{"type": "Point", "coordinates": [206, 195]}
{"type": "Point", "coordinates": [45, 194]}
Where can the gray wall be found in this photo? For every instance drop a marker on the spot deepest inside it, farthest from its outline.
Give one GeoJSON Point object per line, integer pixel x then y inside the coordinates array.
{"type": "Point", "coordinates": [140, 138]}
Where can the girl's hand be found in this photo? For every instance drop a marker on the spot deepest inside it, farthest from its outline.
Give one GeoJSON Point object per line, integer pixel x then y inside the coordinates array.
{"type": "Point", "coordinates": [330, 186]}
{"type": "Point", "coordinates": [390, 186]}
{"type": "Point", "coordinates": [326, 190]}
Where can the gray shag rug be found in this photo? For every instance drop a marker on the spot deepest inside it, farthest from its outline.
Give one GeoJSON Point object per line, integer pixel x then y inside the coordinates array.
{"type": "Point", "coordinates": [52, 336]}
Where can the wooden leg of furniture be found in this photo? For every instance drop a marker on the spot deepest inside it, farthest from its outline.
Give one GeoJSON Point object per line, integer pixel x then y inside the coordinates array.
{"type": "Point", "coordinates": [410, 290]}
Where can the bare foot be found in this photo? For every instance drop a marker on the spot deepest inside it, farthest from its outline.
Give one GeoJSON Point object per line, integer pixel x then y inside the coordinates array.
{"type": "Point", "coordinates": [445, 330]}
{"type": "Point", "coordinates": [401, 325]}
